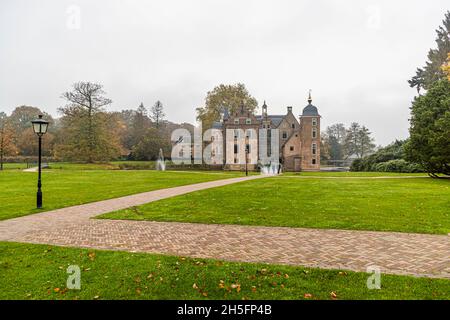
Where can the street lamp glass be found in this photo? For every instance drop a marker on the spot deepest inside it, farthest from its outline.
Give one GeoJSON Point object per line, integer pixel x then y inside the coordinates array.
{"type": "Point", "coordinates": [40, 126]}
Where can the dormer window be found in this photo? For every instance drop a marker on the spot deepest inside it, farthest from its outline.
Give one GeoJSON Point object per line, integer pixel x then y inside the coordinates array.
{"type": "Point", "coordinates": [248, 121]}
{"type": "Point", "coordinates": [236, 121]}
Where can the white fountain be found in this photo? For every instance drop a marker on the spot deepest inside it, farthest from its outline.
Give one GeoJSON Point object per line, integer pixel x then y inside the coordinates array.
{"type": "Point", "coordinates": [270, 169]}
{"type": "Point", "coordinates": [160, 163]}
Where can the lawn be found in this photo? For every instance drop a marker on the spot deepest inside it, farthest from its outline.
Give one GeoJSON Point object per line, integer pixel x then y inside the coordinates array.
{"type": "Point", "coordinates": [62, 188]}
{"type": "Point", "coordinates": [385, 204]}
{"type": "Point", "coordinates": [40, 272]}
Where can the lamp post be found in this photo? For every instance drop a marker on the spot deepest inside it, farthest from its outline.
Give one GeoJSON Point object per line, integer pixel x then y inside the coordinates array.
{"type": "Point", "coordinates": [247, 146]}
{"type": "Point", "coordinates": [40, 128]}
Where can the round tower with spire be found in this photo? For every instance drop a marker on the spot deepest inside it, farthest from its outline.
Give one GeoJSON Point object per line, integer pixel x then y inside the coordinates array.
{"type": "Point", "coordinates": [310, 137]}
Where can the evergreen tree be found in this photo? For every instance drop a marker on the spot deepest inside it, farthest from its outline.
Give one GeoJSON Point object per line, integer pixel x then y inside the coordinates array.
{"type": "Point", "coordinates": [429, 144]}
{"type": "Point", "coordinates": [157, 113]}
{"type": "Point", "coordinates": [432, 71]}
{"type": "Point", "coordinates": [358, 141]}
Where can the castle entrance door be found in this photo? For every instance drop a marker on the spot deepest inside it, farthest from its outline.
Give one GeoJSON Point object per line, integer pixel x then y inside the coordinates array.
{"type": "Point", "coordinates": [297, 164]}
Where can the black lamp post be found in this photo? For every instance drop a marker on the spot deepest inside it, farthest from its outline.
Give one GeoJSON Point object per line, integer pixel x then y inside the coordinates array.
{"type": "Point", "coordinates": [40, 128]}
{"type": "Point", "coordinates": [247, 147]}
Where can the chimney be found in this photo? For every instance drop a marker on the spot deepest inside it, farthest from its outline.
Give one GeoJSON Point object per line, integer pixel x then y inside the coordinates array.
{"type": "Point", "coordinates": [289, 109]}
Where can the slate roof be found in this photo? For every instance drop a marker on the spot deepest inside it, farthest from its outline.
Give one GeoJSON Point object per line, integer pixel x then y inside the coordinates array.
{"type": "Point", "coordinates": [276, 119]}
{"type": "Point", "coordinates": [310, 110]}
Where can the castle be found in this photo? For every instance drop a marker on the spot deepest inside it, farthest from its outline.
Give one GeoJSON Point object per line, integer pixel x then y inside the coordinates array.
{"type": "Point", "coordinates": [299, 140]}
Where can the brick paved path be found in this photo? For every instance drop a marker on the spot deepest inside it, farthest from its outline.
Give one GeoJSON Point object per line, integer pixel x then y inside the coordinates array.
{"type": "Point", "coordinates": [398, 253]}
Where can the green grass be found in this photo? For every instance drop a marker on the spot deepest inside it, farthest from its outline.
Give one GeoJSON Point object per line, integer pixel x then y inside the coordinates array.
{"type": "Point", "coordinates": [14, 166]}
{"type": "Point", "coordinates": [39, 272]}
{"type": "Point", "coordinates": [352, 174]}
{"type": "Point", "coordinates": [408, 205]}
{"type": "Point", "coordinates": [62, 188]}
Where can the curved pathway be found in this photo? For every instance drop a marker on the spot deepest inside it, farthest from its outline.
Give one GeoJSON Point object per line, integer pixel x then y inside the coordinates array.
{"type": "Point", "coordinates": [392, 252]}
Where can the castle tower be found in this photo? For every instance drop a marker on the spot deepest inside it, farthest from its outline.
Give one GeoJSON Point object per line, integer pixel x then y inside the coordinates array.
{"type": "Point", "coordinates": [310, 137]}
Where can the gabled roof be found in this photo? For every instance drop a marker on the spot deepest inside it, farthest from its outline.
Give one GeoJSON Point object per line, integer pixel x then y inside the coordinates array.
{"type": "Point", "coordinates": [275, 119]}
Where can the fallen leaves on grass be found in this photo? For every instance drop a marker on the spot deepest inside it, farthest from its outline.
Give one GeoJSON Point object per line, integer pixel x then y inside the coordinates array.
{"type": "Point", "coordinates": [91, 256]}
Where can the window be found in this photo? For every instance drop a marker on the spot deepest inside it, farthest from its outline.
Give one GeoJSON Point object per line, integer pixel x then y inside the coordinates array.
{"type": "Point", "coordinates": [314, 148]}
{"type": "Point", "coordinates": [314, 122]}
{"type": "Point", "coordinates": [248, 121]}
{"type": "Point", "coordinates": [235, 148]}
{"type": "Point", "coordinates": [284, 135]}
{"type": "Point", "coordinates": [249, 134]}
{"type": "Point", "coordinates": [236, 133]}
{"type": "Point", "coordinates": [236, 121]}
{"type": "Point", "coordinates": [247, 148]}
{"type": "Point", "coordinates": [291, 148]}
{"type": "Point", "coordinates": [313, 161]}
{"type": "Point", "coordinates": [314, 133]}
{"type": "Point", "coordinates": [293, 126]}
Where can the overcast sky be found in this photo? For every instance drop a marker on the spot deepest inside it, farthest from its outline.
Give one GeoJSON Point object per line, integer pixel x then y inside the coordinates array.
{"type": "Point", "coordinates": [355, 55]}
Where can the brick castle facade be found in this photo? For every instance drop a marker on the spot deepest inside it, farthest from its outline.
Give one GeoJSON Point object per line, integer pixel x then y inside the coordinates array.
{"type": "Point", "coordinates": [299, 140]}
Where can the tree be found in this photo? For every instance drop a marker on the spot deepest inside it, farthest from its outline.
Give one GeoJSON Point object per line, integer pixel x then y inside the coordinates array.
{"type": "Point", "coordinates": [429, 143]}
{"type": "Point", "coordinates": [20, 123]}
{"type": "Point", "coordinates": [335, 136]}
{"type": "Point", "coordinates": [140, 123]}
{"type": "Point", "coordinates": [228, 96]}
{"type": "Point", "coordinates": [446, 67]}
{"type": "Point", "coordinates": [365, 143]}
{"type": "Point", "coordinates": [432, 70]}
{"type": "Point", "coordinates": [7, 146]}
{"type": "Point", "coordinates": [86, 134]}
{"type": "Point", "coordinates": [157, 113]}
{"type": "Point", "coordinates": [390, 158]}
{"type": "Point", "coordinates": [148, 148]}
{"type": "Point", "coordinates": [358, 141]}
